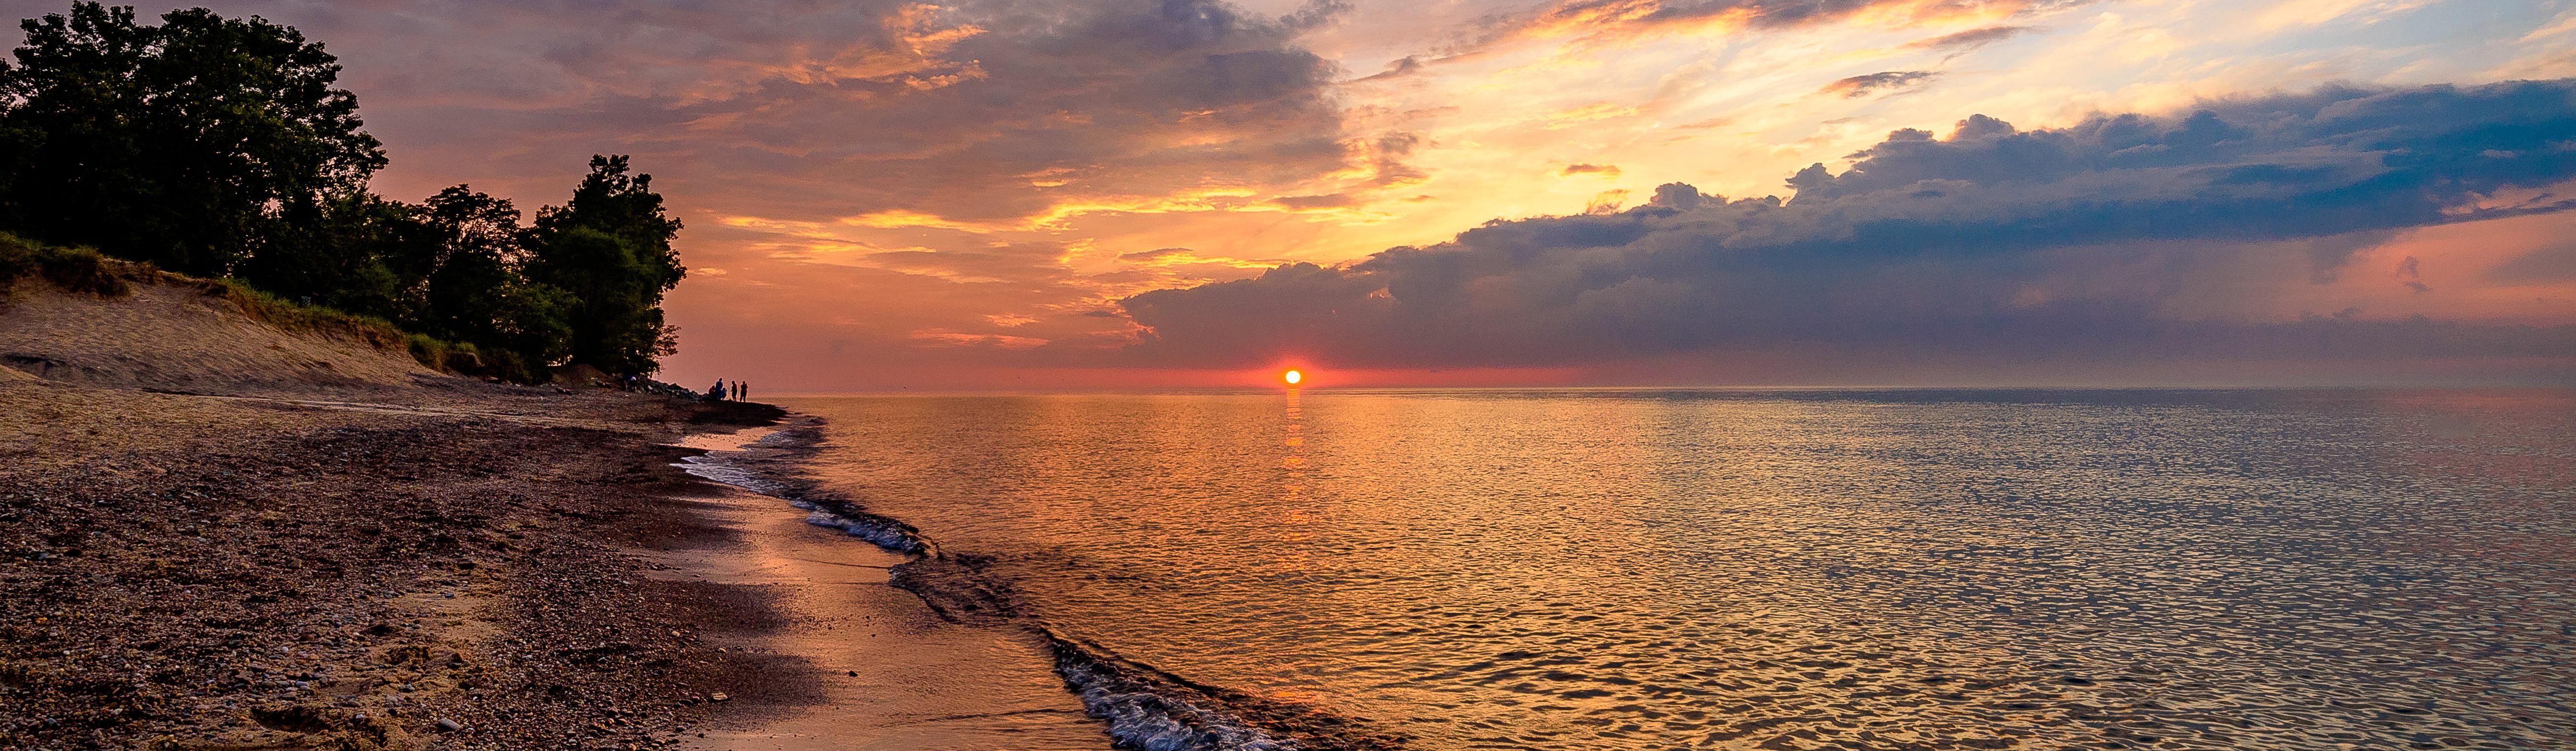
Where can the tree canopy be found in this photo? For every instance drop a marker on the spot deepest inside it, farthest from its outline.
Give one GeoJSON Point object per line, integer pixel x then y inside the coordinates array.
{"type": "Point", "coordinates": [610, 246]}
{"type": "Point", "coordinates": [224, 147]}
{"type": "Point", "coordinates": [183, 144]}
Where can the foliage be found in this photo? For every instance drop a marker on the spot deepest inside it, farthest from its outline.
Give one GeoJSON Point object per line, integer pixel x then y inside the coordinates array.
{"type": "Point", "coordinates": [185, 144]}
{"type": "Point", "coordinates": [221, 148]}
{"type": "Point", "coordinates": [610, 248]}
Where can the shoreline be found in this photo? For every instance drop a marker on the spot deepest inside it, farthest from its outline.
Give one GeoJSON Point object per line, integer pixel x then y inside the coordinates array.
{"type": "Point", "coordinates": [1136, 705]}
{"type": "Point", "coordinates": [891, 672]}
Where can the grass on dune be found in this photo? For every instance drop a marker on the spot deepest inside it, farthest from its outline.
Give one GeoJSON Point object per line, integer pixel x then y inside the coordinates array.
{"type": "Point", "coordinates": [85, 271]}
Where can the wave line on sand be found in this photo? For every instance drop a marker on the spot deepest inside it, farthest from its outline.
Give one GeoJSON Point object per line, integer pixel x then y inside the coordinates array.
{"type": "Point", "coordinates": [1142, 706]}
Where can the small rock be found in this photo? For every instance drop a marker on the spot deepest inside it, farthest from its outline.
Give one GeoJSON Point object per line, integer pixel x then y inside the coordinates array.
{"type": "Point", "coordinates": [718, 696]}
{"type": "Point", "coordinates": [854, 674]}
{"type": "Point", "coordinates": [449, 725]}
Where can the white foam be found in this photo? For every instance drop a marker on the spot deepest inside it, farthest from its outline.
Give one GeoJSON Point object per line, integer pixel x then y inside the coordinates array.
{"type": "Point", "coordinates": [725, 471]}
{"type": "Point", "coordinates": [881, 535]}
{"type": "Point", "coordinates": [1140, 718]}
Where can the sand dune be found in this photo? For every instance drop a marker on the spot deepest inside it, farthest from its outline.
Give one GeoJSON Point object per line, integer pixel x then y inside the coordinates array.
{"type": "Point", "coordinates": [183, 334]}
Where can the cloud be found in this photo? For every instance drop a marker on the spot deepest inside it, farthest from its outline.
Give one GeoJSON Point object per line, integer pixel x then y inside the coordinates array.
{"type": "Point", "coordinates": [813, 111]}
{"type": "Point", "coordinates": [2410, 272]}
{"type": "Point", "coordinates": [1973, 38]}
{"type": "Point", "coordinates": [1606, 20]}
{"type": "Point", "coordinates": [2121, 237]}
{"type": "Point", "coordinates": [1859, 86]}
{"type": "Point", "coordinates": [2556, 263]}
{"type": "Point", "coordinates": [1397, 68]}
{"type": "Point", "coordinates": [1325, 201]}
{"type": "Point", "coordinates": [1316, 13]}
{"type": "Point", "coordinates": [1604, 170]}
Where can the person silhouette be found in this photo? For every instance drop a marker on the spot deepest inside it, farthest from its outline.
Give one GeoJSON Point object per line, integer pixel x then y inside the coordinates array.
{"type": "Point", "coordinates": [717, 392]}
{"type": "Point", "coordinates": [741, 391]}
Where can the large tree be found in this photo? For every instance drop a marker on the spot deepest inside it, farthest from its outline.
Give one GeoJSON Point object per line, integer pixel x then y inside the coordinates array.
{"type": "Point", "coordinates": [610, 248]}
{"type": "Point", "coordinates": [195, 144]}
{"type": "Point", "coordinates": [469, 286]}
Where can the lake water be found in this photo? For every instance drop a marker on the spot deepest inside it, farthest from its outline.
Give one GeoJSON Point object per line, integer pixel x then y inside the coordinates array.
{"type": "Point", "coordinates": [1653, 569]}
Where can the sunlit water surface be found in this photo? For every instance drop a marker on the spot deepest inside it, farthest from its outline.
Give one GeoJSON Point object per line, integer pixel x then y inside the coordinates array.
{"type": "Point", "coordinates": [1661, 569]}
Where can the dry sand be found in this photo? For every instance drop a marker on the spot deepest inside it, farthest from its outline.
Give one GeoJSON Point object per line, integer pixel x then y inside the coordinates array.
{"type": "Point", "coordinates": [184, 336]}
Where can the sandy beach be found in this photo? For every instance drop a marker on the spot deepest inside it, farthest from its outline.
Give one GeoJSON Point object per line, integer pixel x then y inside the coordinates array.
{"type": "Point", "coordinates": [199, 572]}
{"type": "Point", "coordinates": [245, 538]}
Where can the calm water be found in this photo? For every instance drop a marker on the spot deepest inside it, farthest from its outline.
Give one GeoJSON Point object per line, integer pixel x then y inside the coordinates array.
{"type": "Point", "coordinates": [1663, 569]}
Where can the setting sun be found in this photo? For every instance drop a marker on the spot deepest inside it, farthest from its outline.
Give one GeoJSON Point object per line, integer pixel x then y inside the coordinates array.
{"type": "Point", "coordinates": [1292, 377]}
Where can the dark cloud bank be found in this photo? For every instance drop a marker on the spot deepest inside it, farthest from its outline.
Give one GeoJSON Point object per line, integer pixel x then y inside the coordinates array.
{"type": "Point", "coordinates": [2122, 239]}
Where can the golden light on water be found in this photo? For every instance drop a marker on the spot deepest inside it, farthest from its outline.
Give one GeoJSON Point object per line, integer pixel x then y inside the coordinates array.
{"type": "Point", "coordinates": [1292, 377]}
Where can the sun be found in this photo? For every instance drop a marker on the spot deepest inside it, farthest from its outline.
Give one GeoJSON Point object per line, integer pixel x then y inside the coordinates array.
{"type": "Point", "coordinates": [1292, 377]}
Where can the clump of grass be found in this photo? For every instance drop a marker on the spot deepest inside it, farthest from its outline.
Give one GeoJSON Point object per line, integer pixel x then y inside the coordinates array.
{"type": "Point", "coordinates": [75, 269]}
{"type": "Point", "coordinates": [427, 349]}
{"type": "Point", "coordinates": [288, 315]}
{"type": "Point", "coordinates": [440, 354]}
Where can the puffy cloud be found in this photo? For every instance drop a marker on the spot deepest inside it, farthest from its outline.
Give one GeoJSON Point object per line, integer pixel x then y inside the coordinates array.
{"type": "Point", "coordinates": [2119, 238]}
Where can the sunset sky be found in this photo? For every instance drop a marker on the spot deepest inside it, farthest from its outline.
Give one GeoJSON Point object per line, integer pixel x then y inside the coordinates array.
{"type": "Point", "coordinates": [1053, 194]}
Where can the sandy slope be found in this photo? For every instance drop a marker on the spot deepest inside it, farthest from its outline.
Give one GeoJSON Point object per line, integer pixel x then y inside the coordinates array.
{"type": "Point", "coordinates": [182, 336]}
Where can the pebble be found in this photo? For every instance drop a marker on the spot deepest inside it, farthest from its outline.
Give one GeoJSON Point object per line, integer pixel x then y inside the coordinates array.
{"type": "Point", "coordinates": [449, 725]}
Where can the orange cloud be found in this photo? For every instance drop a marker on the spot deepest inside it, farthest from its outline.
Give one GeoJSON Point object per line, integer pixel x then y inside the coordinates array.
{"type": "Point", "coordinates": [946, 338]}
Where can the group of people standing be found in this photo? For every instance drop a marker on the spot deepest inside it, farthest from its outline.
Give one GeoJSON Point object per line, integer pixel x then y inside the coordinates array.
{"type": "Point", "coordinates": [737, 391]}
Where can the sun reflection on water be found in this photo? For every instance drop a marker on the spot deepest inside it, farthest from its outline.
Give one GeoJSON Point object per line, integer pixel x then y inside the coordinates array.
{"type": "Point", "coordinates": [1649, 570]}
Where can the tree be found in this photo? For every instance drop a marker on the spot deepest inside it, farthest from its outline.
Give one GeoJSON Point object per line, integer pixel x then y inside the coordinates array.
{"type": "Point", "coordinates": [471, 287]}
{"type": "Point", "coordinates": [338, 252]}
{"type": "Point", "coordinates": [610, 249]}
{"type": "Point", "coordinates": [194, 144]}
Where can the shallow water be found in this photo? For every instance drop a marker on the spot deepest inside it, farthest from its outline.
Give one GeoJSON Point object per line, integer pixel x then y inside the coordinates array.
{"type": "Point", "coordinates": [1658, 569]}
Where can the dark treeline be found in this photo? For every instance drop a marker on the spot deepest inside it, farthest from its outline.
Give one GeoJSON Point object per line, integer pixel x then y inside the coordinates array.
{"type": "Point", "coordinates": [221, 147]}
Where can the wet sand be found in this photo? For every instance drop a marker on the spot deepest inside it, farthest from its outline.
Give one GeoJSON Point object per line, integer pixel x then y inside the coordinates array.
{"type": "Point", "coordinates": [892, 674]}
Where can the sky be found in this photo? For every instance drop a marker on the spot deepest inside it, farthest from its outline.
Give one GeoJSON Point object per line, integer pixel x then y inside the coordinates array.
{"type": "Point", "coordinates": [1061, 194]}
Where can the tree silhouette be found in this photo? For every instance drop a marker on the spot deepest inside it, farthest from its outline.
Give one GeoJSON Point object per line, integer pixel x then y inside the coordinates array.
{"type": "Point", "coordinates": [195, 144]}
{"type": "Point", "coordinates": [610, 248]}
